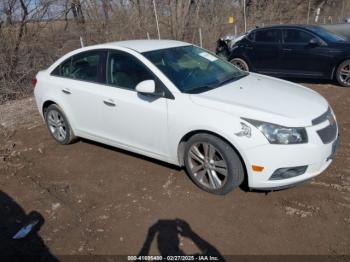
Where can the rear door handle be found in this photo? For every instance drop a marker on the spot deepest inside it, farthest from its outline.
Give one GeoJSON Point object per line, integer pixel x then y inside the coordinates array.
{"type": "Point", "coordinates": [66, 91]}
{"type": "Point", "coordinates": [287, 49]}
{"type": "Point", "coordinates": [109, 102]}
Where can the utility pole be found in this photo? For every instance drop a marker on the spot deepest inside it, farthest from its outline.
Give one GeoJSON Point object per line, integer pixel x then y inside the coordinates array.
{"type": "Point", "coordinates": [155, 14]}
{"type": "Point", "coordinates": [342, 10]}
{"type": "Point", "coordinates": [308, 12]}
{"type": "Point", "coordinates": [245, 17]}
{"type": "Point", "coordinates": [81, 42]}
{"type": "Point", "coordinates": [200, 37]}
{"type": "Point", "coordinates": [318, 11]}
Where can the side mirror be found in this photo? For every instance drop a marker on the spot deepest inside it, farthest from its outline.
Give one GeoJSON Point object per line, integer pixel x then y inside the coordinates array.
{"type": "Point", "coordinates": [314, 42]}
{"type": "Point", "coordinates": [146, 87]}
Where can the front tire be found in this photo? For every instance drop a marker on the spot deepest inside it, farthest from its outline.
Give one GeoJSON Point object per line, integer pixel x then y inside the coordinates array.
{"type": "Point", "coordinates": [58, 125]}
{"type": "Point", "coordinates": [240, 63]}
{"type": "Point", "coordinates": [212, 164]}
{"type": "Point", "coordinates": [343, 73]}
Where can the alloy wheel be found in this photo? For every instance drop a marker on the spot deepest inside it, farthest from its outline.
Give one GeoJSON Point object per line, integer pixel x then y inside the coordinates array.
{"type": "Point", "coordinates": [57, 125]}
{"type": "Point", "coordinates": [241, 64]}
{"type": "Point", "coordinates": [207, 165]}
{"type": "Point", "coordinates": [344, 74]}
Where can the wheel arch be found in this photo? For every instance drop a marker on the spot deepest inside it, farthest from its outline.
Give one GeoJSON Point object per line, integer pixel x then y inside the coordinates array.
{"type": "Point", "coordinates": [186, 137]}
{"type": "Point", "coordinates": [69, 117]}
{"type": "Point", "coordinates": [337, 64]}
{"type": "Point", "coordinates": [46, 104]}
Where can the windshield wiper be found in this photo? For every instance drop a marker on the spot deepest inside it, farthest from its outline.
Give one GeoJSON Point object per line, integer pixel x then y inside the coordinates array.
{"type": "Point", "coordinates": [231, 79]}
{"type": "Point", "coordinates": [200, 89]}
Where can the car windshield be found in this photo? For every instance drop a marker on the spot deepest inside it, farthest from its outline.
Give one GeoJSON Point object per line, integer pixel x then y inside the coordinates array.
{"type": "Point", "coordinates": [194, 70]}
{"type": "Point", "coordinates": [327, 35]}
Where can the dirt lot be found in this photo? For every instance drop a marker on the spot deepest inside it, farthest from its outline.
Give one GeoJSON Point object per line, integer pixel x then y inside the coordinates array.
{"type": "Point", "coordinates": [100, 200]}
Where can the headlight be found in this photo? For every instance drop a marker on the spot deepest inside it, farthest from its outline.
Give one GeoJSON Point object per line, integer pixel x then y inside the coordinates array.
{"type": "Point", "coordinates": [276, 134]}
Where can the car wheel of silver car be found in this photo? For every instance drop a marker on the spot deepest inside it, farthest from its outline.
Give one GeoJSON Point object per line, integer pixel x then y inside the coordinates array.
{"type": "Point", "coordinates": [58, 125]}
{"type": "Point", "coordinates": [240, 63]}
{"type": "Point", "coordinates": [343, 73]}
{"type": "Point", "coordinates": [213, 164]}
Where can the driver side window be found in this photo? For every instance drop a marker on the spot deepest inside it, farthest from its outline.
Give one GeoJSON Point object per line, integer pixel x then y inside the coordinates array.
{"type": "Point", "coordinates": [295, 36]}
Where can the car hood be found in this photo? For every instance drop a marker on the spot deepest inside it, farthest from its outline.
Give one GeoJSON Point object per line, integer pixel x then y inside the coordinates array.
{"type": "Point", "coordinates": [266, 99]}
{"type": "Point", "coordinates": [344, 44]}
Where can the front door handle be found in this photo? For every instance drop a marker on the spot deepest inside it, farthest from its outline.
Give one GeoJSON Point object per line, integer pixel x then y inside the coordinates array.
{"type": "Point", "coordinates": [109, 102]}
{"type": "Point", "coordinates": [287, 49]}
{"type": "Point", "coordinates": [249, 47]}
{"type": "Point", "coordinates": [66, 91]}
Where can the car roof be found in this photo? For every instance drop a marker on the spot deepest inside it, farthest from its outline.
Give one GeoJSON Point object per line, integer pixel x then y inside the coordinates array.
{"type": "Point", "coordinates": [288, 26]}
{"type": "Point", "coordinates": [145, 45]}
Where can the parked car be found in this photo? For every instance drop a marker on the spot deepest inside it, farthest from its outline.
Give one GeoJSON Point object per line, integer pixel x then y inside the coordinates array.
{"type": "Point", "coordinates": [225, 44]}
{"type": "Point", "coordinates": [297, 51]}
{"type": "Point", "coordinates": [181, 104]}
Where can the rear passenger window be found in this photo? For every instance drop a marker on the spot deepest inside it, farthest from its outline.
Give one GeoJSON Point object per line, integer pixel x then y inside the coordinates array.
{"type": "Point", "coordinates": [83, 66]}
{"type": "Point", "coordinates": [66, 67]}
{"type": "Point", "coordinates": [63, 69]}
{"type": "Point", "coordinates": [268, 36]}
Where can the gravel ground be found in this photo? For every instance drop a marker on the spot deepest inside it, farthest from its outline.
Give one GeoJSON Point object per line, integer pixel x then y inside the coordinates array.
{"type": "Point", "coordinates": [94, 199]}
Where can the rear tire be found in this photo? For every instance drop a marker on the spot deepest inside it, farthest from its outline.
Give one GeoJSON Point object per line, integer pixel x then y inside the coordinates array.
{"type": "Point", "coordinates": [212, 164]}
{"type": "Point", "coordinates": [343, 74]}
{"type": "Point", "coordinates": [58, 125]}
{"type": "Point", "coordinates": [240, 63]}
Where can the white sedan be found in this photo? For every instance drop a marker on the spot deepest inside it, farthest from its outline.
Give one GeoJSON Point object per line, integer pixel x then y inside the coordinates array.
{"type": "Point", "coordinates": [181, 104]}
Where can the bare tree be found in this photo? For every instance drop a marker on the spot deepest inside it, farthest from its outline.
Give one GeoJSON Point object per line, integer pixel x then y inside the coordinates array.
{"type": "Point", "coordinates": [35, 33]}
{"type": "Point", "coordinates": [77, 11]}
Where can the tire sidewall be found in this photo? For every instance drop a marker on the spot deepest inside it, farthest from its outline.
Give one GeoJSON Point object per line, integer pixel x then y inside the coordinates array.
{"type": "Point", "coordinates": [235, 174]}
{"type": "Point", "coordinates": [69, 135]}
{"type": "Point", "coordinates": [338, 73]}
{"type": "Point", "coordinates": [242, 60]}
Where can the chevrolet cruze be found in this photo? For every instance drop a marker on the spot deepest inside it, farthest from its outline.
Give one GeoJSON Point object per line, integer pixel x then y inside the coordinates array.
{"type": "Point", "coordinates": [181, 104]}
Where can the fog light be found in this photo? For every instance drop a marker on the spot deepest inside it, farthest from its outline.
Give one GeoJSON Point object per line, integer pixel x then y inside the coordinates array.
{"type": "Point", "coordinates": [288, 172]}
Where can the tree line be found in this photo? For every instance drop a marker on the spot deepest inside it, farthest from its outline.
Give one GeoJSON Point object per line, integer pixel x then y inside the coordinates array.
{"type": "Point", "coordinates": [34, 33]}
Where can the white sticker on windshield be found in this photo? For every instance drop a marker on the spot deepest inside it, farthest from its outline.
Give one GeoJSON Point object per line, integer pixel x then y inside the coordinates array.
{"type": "Point", "coordinates": [208, 56]}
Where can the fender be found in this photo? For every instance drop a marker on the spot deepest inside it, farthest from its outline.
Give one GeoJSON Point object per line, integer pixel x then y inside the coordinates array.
{"type": "Point", "coordinates": [190, 132]}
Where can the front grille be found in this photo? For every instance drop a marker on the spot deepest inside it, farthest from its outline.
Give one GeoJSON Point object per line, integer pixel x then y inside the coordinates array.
{"type": "Point", "coordinates": [322, 117]}
{"type": "Point", "coordinates": [328, 134]}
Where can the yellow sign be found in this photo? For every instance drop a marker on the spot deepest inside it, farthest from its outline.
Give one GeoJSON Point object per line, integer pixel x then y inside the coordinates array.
{"type": "Point", "coordinates": [231, 20]}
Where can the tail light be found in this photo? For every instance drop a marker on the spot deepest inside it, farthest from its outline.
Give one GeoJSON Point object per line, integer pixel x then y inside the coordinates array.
{"type": "Point", "coordinates": [34, 81]}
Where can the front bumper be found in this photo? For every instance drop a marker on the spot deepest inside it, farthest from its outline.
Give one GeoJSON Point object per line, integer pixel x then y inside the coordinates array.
{"type": "Point", "coordinates": [315, 155]}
